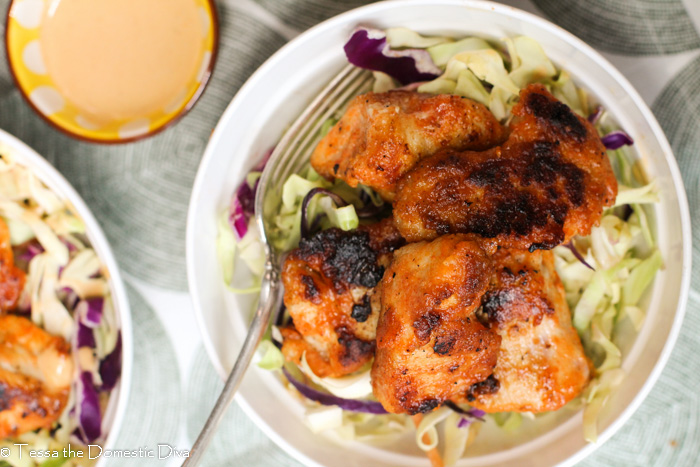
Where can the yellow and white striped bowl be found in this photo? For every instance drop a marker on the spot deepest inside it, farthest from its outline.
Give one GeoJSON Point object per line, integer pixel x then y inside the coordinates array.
{"type": "Point", "coordinates": [24, 22]}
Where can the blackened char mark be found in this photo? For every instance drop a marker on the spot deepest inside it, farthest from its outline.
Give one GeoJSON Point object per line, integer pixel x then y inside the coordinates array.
{"type": "Point", "coordinates": [354, 349]}
{"type": "Point", "coordinates": [495, 303]}
{"type": "Point", "coordinates": [546, 165]}
{"type": "Point", "coordinates": [531, 192]}
{"type": "Point", "coordinates": [443, 345]}
{"type": "Point", "coordinates": [346, 257]}
{"type": "Point", "coordinates": [424, 326]}
{"type": "Point", "coordinates": [543, 246]}
{"type": "Point", "coordinates": [310, 289]}
{"type": "Point", "coordinates": [557, 115]}
{"type": "Point", "coordinates": [501, 306]}
{"type": "Point", "coordinates": [489, 386]}
{"type": "Point", "coordinates": [424, 406]}
{"type": "Point", "coordinates": [361, 311]}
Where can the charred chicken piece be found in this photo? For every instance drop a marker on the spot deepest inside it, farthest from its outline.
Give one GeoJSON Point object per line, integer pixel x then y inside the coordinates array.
{"type": "Point", "coordinates": [548, 182]}
{"type": "Point", "coordinates": [383, 135]}
{"type": "Point", "coordinates": [431, 347]}
{"type": "Point", "coordinates": [329, 284]}
{"type": "Point", "coordinates": [541, 364]}
{"type": "Point", "coordinates": [36, 370]}
{"type": "Point", "coordinates": [11, 278]}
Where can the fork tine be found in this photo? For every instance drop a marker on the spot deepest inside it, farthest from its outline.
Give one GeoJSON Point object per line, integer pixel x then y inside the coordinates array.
{"type": "Point", "coordinates": [312, 136]}
{"type": "Point", "coordinates": [305, 120]}
{"type": "Point", "coordinates": [294, 146]}
{"type": "Point", "coordinates": [310, 118]}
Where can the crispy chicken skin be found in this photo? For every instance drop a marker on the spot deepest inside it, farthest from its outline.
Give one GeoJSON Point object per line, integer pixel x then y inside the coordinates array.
{"type": "Point", "coordinates": [548, 182]}
{"type": "Point", "coordinates": [11, 278]}
{"type": "Point", "coordinates": [383, 135]}
{"type": "Point", "coordinates": [329, 292]}
{"type": "Point", "coordinates": [36, 370]}
{"type": "Point", "coordinates": [541, 364]}
{"type": "Point", "coordinates": [431, 348]}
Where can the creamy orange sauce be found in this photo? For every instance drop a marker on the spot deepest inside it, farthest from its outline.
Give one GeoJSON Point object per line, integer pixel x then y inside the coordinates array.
{"type": "Point", "coordinates": [122, 59]}
{"type": "Point", "coordinates": [56, 369]}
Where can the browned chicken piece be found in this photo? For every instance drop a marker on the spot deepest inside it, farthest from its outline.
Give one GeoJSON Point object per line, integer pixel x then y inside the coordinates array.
{"type": "Point", "coordinates": [11, 278]}
{"type": "Point", "coordinates": [36, 370]}
{"type": "Point", "coordinates": [541, 364]}
{"type": "Point", "coordinates": [383, 135]}
{"type": "Point", "coordinates": [431, 347]}
{"type": "Point", "coordinates": [548, 182]}
{"type": "Point", "coordinates": [329, 292]}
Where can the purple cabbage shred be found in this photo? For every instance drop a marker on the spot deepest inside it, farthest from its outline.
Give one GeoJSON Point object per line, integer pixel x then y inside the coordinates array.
{"type": "Point", "coordinates": [577, 254]}
{"type": "Point", "coordinates": [472, 414]}
{"type": "Point", "coordinates": [90, 415]}
{"type": "Point", "coordinates": [329, 399]}
{"type": "Point", "coordinates": [86, 337]}
{"type": "Point", "coordinates": [90, 311]}
{"type": "Point", "coordinates": [305, 227]}
{"type": "Point", "coordinates": [111, 367]}
{"type": "Point", "coordinates": [595, 116]}
{"type": "Point", "coordinates": [243, 201]}
{"type": "Point", "coordinates": [237, 218]}
{"type": "Point", "coordinates": [71, 300]}
{"type": "Point", "coordinates": [28, 253]}
{"type": "Point", "coordinates": [368, 48]}
{"type": "Point", "coordinates": [464, 422]}
{"type": "Point", "coordinates": [246, 197]}
{"type": "Point", "coordinates": [616, 140]}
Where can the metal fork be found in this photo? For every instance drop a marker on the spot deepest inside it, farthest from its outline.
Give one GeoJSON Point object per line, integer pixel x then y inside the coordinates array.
{"type": "Point", "coordinates": [290, 155]}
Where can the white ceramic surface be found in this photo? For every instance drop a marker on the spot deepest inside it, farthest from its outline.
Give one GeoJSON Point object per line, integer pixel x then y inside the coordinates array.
{"type": "Point", "coordinates": [29, 158]}
{"type": "Point", "coordinates": [279, 91]}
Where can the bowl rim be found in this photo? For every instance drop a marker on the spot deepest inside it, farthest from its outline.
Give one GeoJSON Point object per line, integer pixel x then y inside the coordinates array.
{"type": "Point", "coordinates": [189, 105]}
{"type": "Point", "coordinates": [48, 174]}
{"type": "Point", "coordinates": [483, 5]}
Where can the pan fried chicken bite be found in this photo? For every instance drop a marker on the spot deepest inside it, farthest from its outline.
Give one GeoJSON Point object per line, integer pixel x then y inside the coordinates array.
{"type": "Point", "coordinates": [383, 135]}
{"type": "Point", "coordinates": [548, 182]}
{"type": "Point", "coordinates": [329, 292]}
{"type": "Point", "coordinates": [36, 370]}
{"type": "Point", "coordinates": [431, 347]}
{"type": "Point", "coordinates": [11, 278]}
{"type": "Point", "coordinates": [541, 364]}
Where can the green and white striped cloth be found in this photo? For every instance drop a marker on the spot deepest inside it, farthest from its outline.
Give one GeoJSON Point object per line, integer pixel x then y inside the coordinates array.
{"type": "Point", "coordinates": [139, 192]}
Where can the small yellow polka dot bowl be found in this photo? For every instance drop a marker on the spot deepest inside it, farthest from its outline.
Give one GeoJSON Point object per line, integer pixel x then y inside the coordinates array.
{"type": "Point", "coordinates": [111, 71]}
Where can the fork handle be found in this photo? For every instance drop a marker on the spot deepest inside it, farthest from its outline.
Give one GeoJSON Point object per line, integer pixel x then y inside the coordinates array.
{"type": "Point", "coordinates": [269, 291]}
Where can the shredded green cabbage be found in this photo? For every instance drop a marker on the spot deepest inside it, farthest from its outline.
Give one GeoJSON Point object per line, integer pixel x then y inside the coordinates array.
{"type": "Point", "coordinates": [457, 439]}
{"type": "Point", "coordinates": [369, 428]}
{"type": "Point", "coordinates": [355, 386]}
{"type": "Point", "coordinates": [382, 83]}
{"type": "Point", "coordinates": [323, 418]}
{"type": "Point", "coordinates": [626, 262]}
{"type": "Point", "coordinates": [406, 38]}
{"type": "Point", "coordinates": [509, 421]}
{"type": "Point", "coordinates": [226, 247]}
{"type": "Point", "coordinates": [270, 356]}
{"type": "Point", "coordinates": [427, 427]}
{"type": "Point", "coordinates": [442, 53]}
{"type": "Point", "coordinates": [643, 195]}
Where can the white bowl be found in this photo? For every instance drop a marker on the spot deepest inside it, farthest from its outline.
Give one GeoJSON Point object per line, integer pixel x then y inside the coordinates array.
{"type": "Point", "coordinates": [26, 156]}
{"type": "Point", "coordinates": [277, 93]}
